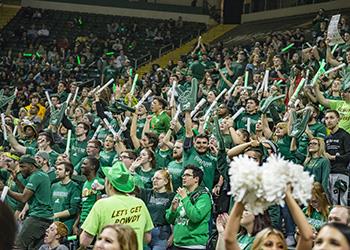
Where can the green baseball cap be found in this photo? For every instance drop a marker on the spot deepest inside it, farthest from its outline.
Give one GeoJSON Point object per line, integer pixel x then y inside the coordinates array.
{"type": "Point", "coordinates": [119, 177]}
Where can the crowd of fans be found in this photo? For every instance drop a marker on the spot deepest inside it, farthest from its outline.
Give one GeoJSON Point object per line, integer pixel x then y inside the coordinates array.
{"type": "Point", "coordinates": [118, 173]}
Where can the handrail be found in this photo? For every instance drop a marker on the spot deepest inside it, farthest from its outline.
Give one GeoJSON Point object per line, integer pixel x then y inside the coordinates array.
{"type": "Point", "coordinates": [168, 47]}
{"type": "Point", "coordinates": [139, 61]}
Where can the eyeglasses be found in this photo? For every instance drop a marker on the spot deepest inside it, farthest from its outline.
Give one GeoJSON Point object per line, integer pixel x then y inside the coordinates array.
{"type": "Point", "coordinates": [187, 175]}
{"type": "Point", "coordinates": [313, 143]}
{"type": "Point", "coordinates": [124, 157]}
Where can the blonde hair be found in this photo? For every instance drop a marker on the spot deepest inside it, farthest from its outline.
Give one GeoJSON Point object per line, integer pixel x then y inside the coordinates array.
{"type": "Point", "coordinates": [166, 175]}
{"type": "Point", "coordinates": [320, 195]}
{"type": "Point", "coordinates": [262, 236]}
{"type": "Point", "coordinates": [284, 126]}
{"type": "Point", "coordinates": [321, 149]}
{"type": "Point", "coordinates": [126, 236]}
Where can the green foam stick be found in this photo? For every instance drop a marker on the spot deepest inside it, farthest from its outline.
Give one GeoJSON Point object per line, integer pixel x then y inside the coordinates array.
{"type": "Point", "coordinates": [72, 237]}
{"type": "Point", "coordinates": [78, 59]}
{"type": "Point", "coordinates": [130, 72]}
{"type": "Point", "coordinates": [28, 54]}
{"type": "Point", "coordinates": [334, 48]}
{"type": "Point", "coordinates": [114, 88]}
{"type": "Point", "coordinates": [110, 53]}
{"type": "Point", "coordinates": [37, 54]}
{"type": "Point", "coordinates": [287, 48]}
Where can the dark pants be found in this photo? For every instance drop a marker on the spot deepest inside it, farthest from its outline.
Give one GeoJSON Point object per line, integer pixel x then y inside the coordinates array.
{"type": "Point", "coordinates": [32, 233]}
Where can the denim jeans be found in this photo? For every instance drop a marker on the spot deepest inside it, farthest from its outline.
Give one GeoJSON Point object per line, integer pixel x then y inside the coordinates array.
{"type": "Point", "coordinates": [160, 236]}
{"type": "Point", "coordinates": [288, 221]}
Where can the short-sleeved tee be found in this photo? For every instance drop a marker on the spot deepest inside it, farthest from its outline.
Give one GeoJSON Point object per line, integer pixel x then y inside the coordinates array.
{"type": "Point", "coordinates": [344, 110]}
{"type": "Point", "coordinates": [40, 203]}
{"type": "Point", "coordinates": [66, 197]}
{"type": "Point", "coordinates": [157, 204]}
{"type": "Point", "coordinates": [175, 169]}
{"type": "Point", "coordinates": [206, 162]}
{"type": "Point", "coordinates": [119, 209]}
{"type": "Point", "coordinates": [163, 157]}
{"type": "Point", "coordinates": [77, 151]}
{"type": "Point", "coordinates": [5, 177]}
{"type": "Point", "coordinates": [160, 123]}
{"type": "Point", "coordinates": [89, 197]}
{"type": "Point", "coordinates": [107, 157]}
{"type": "Point", "coordinates": [145, 177]}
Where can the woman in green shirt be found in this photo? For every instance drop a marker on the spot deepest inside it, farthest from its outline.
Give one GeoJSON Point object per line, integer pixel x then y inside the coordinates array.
{"type": "Point", "coordinates": [158, 200]}
{"type": "Point", "coordinates": [316, 162]}
{"type": "Point", "coordinates": [144, 167]}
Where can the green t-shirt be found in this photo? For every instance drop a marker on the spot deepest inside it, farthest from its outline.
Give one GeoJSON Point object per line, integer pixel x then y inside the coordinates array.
{"type": "Point", "coordinates": [139, 127]}
{"type": "Point", "coordinates": [198, 70]}
{"type": "Point", "coordinates": [344, 110]}
{"type": "Point", "coordinates": [40, 203]}
{"type": "Point", "coordinates": [242, 121]}
{"type": "Point", "coordinates": [316, 220]}
{"type": "Point", "coordinates": [320, 168]}
{"type": "Point", "coordinates": [157, 204]}
{"type": "Point", "coordinates": [206, 162]}
{"type": "Point", "coordinates": [52, 155]}
{"type": "Point", "coordinates": [145, 177]}
{"type": "Point", "coordinates": [107, 157]}
{"type": "Point", "coordinates": [66, 197]}
{"type": "Point", "coordinates": [163, 157]}
{"type": "Point", "coordinates": [5, 177]}
{"type": "Point", "coordinates": [77, 150]}
{"type": "Point", "coordinates": [119, 209]}
{"type": "Point", "coordinates": [160, 123]}
{"type": "Point", "coordinates": [89, 197]}
{"type": "Point", "coordinates": [175, 169]}
{"type": "Point", "coordinates": [245, 241]}
{"type": "Point", "coordinates": [318, 130]}
{"type": "Point", "coordinates": [191, 219]}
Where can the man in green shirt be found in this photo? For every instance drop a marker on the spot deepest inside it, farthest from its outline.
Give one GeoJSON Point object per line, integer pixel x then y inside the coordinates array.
{"type": "Point", "coordinates": [160, 122]}
{"type": "Point", "coordinates": [251, 115]}
{"type": "Point", "coordinates": [65, 196]}
{"type": "Point", "coordinates": [119, 208]}
{"type": "Point", "coordinates": [175, 167]}
{"type": "Point", "coordinates": [197, 153]}
{"type": "Point", "coordinates": [89, 195]}
{"type": "Point", "coordinates": [197, 68]}
{"type": "Point", "coordinates": [42, 158]}
{"type": "Point", "coordinates": [190, 211]}
{"type": "Point", "coordinates": [79, 143]}
{"type": "Point", "coordinates": [45, 142]}
{"type": "Point", "coordinates": [37, 194]}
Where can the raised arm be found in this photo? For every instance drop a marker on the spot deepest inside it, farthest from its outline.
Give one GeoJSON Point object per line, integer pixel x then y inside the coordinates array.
{"type": "Point", "coordinates": [306, 234]}
{"type": "Point", "coordinates": [133, 136]}
{"type": "Point", "coordinates": [232, 227]}
{"type": "Point", "coordinates": [319, 96]}
{"type": "Point", "coordinates": [188, 124]}
{"type": "Point", "coordinates": [14, 143]}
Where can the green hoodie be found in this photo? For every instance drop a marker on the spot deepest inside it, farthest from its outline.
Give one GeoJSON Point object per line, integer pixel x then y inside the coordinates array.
{"type": "Point", "coordinates": [191, 219]}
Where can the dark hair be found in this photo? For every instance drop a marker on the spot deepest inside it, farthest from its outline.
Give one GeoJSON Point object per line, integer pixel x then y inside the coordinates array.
{"type": "Point", "coordinates": [333, 111]}
{"type": "Point", "coordinates": [161, 101]}
{"type": "Point", "coordinates": [86, 126]}
{"type": "Point", "coordinates": [245, 133]}
{"type": "Point", "coordinates": [94, 162]}
{"type": "Point", "coordinates": [202, 135]}
{"type": "Point", "coordinates": [68, 167]}
{"type": "Point", "coordinates": [261, 221]}
{"type": "Point", "coordinates": [152, 138]}
{"type": "Point", "coordinates": [8, 223]}
{"type": "Point", "coordinates": [254, 99]}
{"type": "Point", "coordinates": [130, 153]}
{"type": "Point", "coordinates": [342, 228]}
{"type": "Point", "coordinates": [197, 172]}
{"type": "Point", "coordinates": [152, 156]}
{"type": "Point", "coordinates": [47, 136]}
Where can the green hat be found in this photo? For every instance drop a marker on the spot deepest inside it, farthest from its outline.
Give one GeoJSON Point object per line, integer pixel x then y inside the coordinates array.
{"type": "Point", "coordinates": [28, 159]}
{"type": "Point", "coordinates": [119, 177]}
